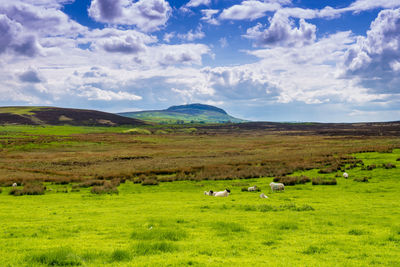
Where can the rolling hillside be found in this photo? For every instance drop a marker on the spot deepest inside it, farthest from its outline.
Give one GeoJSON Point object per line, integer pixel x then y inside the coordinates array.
{"type": "Point", "coordinates": [62, 116]}
{"type": "Point", "coordinates": [193, 113]}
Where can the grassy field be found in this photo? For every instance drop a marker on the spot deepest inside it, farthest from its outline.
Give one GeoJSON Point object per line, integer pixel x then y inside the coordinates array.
{"type": "Point", "coordinates": [351, 223]}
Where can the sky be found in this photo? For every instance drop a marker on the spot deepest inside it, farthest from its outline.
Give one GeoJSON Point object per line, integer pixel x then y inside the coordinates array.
{"type": "Point", "coordinates": [263, 60]}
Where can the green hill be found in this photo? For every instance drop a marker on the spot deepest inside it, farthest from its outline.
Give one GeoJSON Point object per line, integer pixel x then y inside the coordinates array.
{"type": "Point", "coordinates": [62, 116]}
{"type": "Point", "coordinates": [193, 113]}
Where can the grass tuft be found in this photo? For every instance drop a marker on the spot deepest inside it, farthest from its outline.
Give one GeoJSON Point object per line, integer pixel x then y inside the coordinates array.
{"type": "Point", "coordinates": [57, 257]}
{"type": "Point", "coordinates": [356, 232]}
{"type": "Point", "coordinates": [120, 255]}
{"type": "Point", "coordinates": [314, 250]}
{"type": "Point", "coordinates": [149, 248]}
{"type": "Point", "coordinates": [224, 228]}
{"type": "Point", "coordinates": [160, 234]}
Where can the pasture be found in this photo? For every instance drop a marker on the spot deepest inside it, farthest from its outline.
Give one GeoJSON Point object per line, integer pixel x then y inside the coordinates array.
{"type": "Point", "coordinates": [352, 223]}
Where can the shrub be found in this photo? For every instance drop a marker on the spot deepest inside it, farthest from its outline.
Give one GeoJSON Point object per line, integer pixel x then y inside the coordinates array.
{"type": "Point", "coordinates": [292, 180]}
{"type": "Point", "coordinates": [389, 166]}
{"type": "Point", "coordinates": [107, 188]}
{"type": "Point", "coordinates": [150, 181]}
{"type": "Point", "coordinates": [90, 183]}
{"type": "Point", "coordinates": [29, 189]}
{"type": "Point", "coordinates": [320, 181]}
{"type": "Point", "coordinates": [364, 179]}
{"type": "Point", "coordinates": [371, 167]}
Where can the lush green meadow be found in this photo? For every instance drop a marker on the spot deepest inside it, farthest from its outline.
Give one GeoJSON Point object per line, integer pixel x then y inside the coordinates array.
{"type": "Point", "coordinates": [172, 222]}
{"type": "Point", "coordinates": [348, 224]}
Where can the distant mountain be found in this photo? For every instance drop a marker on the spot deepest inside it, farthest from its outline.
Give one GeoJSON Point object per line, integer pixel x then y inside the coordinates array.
{"type": "Point", "coordinates": [61, 116]}
{"type": "Point", "coordinates": [192, 113]}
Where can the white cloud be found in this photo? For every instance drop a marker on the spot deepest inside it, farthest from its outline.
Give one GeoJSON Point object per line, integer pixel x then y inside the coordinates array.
{"type": "Point", "coordinates": [374, 59]}
{"type": "Point", "coordinates": [196, 3]}
{"type": "Point", "coordinates": [147, 15]}
{"type": "Point", "coordinates": [282, 31]}
{"type": "Point", "coordinates": [93, 93]}
{"type": "Point", "coordinates": [223, 42]}
{"type": "Point", "coordinates": [209, 16]}
{"type": "Point", "coordinates": [248, 10]}
{"type": "Point", "coordinates": [191, 36]}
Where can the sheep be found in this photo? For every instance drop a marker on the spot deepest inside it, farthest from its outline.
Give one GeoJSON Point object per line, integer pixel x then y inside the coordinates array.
{"type": "Point", "coordinates": [224, 193]}
{"type": "Point", "coordinates": [209, 193]}
{"type": "Point", "coordinates": [346, 175]}
{"type": "Point", "coordinates": [14, 185]}
{"type": "Point", "coordinates": [277, 186]}
{"type": "Point", "coordinates": [263, 195]}
{"type": "Point", "coordinates": [252, 188]}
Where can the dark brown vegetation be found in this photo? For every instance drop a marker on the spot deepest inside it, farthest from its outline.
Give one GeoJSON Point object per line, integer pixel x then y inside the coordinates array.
{"type": "Point", "coordinates": [106, 188]}
{"type": "Point", "coordinates": [61, 116]}
{"type": "Point", "coordinates": [292, 180]}
{"type": "Point", "coordinates": [32, 188]}
{"type": "Point", "coordinates": [363, 179]}
{"type": "Point", "coordinates": [211, 154]}
{"type": "Point", "coordinates": [322, 181]}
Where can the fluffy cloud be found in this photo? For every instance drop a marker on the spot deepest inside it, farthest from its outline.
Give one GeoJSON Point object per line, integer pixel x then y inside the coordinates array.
{"type": "Point", "coordinates": [196, 3]}
{"type": "Point", "coordinates": [30, 76]}
{"type": "Point", "coordinates": [14, 40]}
{"type": "Point", "coordinates": [93, 93]}
{"type": "Point", "coordinates": [249, 10]}
{"type": "Point", "coordinates": [209, 16]}
{"type": "Point", "coordinates": [282, 32]}
{"type": "Point", "coordinates": [191, 36]}
{"type": "Point", "coordinates": [374, 59]}
{"type": "Point", "coordinates": [147, 15]}
{"type": "Point", "coordinates": [114, 40]}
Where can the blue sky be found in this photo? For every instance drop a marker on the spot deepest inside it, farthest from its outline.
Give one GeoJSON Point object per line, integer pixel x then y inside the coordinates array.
{"type": "Point", "coordinates": [270, 60]}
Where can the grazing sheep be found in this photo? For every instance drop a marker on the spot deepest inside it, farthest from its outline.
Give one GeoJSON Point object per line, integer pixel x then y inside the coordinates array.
{"type": "Point", "coordinates": [346, 175]}
{"type": "Point", "coordinates": [209, 193]}
{"type": "Point", "coordinates": [252, 188]}
{"type": "Point", "coordinates": [14, 185]}
{"type": "Point", "coordinates": [263, 196]}
{"type": "Point", "coordinates": [277, 186]}
{"type": "Point", "coordinates": [224, 193]}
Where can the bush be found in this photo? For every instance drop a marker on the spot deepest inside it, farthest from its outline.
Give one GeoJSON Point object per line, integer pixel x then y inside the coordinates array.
{"type": "Point", "coordinates": [320, 181]}
{"type": "Point", "coordinates": [90, 183]}
{"type": "Point", "coordinates": [364, 179]}
{"type": "Point", "coordinates": [389, 166]}
{"type": "Point", "coordinates": [29, 189]}
{"type": "Point", "coordinates": [1, 190]}
{"type": "Point", "coordinates": [107, 188]}
{"type": "Point", "coordinates": [371, 167]}
{"type": "Point", "coordinates": [150, 181]}
{"type": "Point", "coordinates": [292, 180]}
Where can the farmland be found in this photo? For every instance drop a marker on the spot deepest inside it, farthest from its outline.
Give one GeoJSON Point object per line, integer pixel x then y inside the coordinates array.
{"type": "Point", "coordinates": [352, 223]}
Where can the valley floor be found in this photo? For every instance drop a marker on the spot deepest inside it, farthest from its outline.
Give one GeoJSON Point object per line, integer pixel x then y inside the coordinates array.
{"type": "Point", "coordinates": [175, 224]}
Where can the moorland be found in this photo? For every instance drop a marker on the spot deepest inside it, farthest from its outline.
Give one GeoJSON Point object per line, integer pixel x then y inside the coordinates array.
{"type": "Point", "coordinates": [134, 195]}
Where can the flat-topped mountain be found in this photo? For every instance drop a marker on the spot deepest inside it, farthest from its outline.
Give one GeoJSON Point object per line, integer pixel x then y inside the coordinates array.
{"type": "Point", "coordinates": [192, 113]}
{"type": "Point", "coordinates": [61, 116]}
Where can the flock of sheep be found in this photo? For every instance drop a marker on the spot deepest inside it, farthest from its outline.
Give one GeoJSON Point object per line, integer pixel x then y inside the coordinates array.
{"type": "Point", "coordinates": [274, 187]}
{"type": "Point", "coordinates": [226, 192]}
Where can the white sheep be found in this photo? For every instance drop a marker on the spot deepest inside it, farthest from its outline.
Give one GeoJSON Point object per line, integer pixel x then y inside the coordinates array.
{"type": "Point", "coordinates": [277, 186]}
{"type": "Point", "coordinates": [346, 175]}
{"type": "Point", "coordinates": [209, 193]}
{"type": "Point", "coordinates": [224, 193]}
{"type": "Point", "coordinates": [14, 185]}
{"type": "Point", "coordinates": [263, 195]}
{"type": "Point", "coordinates": [252, 188]}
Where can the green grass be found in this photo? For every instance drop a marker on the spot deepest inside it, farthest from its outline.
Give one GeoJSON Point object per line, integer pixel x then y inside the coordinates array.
{"type": "Point", "coordinates": [175, 224]}
{"type": "Point", "coordinates": [59, 130]}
